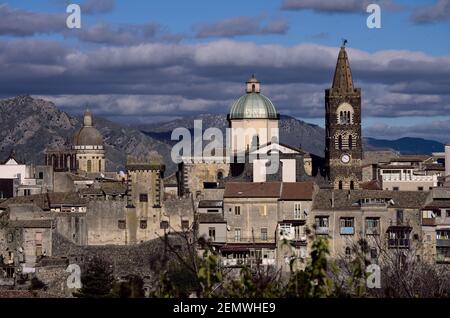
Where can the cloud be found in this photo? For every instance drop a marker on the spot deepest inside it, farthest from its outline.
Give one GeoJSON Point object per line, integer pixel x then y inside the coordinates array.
{"type": "Point", "coordinates": [149, 80]}
{"type": "Point", "coordinates": [97, 6]}
{"type": "Point", "coordinates": [238, 26]}
{"type": "Point", "coordinates": [18, 22]}
{"type": "Point", "coordinates": [126, 34]}
{"type": "Point", "coordinates": [440, 11]}
{"type": "Point", "coordinates": [336, 6]}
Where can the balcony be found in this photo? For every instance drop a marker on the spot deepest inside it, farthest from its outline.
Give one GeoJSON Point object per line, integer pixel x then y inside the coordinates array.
{"type": "Point", "coordinates": [443, 243]}
{"type": "Point", "coordinates": [350, 230]}
{"type": "Point", "coordinates": [429, 222]}
{"type": "Point", "coordinates": [322, 230]}
{"type": "Point", "coordinates": [398, 243]}
{"type": "Point", "coordinates": [372, 231]}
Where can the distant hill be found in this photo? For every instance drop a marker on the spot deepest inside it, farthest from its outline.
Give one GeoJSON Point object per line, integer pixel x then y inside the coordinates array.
{"type": "Point", "coordinates": [406, 145]}
{"type": "Point", "coordinates": [29, 125]}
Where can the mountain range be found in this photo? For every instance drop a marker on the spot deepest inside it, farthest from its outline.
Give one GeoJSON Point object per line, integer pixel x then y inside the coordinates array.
{"type": "Point", "coordinates": [29, 125]}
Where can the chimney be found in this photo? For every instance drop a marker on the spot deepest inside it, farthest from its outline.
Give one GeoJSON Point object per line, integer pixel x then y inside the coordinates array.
{"type": "Point", "coordinates": [447, 162]}
{"type": "Point", "coordinates": [332, 199]}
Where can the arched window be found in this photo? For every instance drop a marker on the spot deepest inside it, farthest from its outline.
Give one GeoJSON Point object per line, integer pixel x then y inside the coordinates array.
{"type": "Point", "coordinates": [89, 166]}
{"type": "Point", "coordinates": [340, 185]}
{"type": "Point", "coordinates": [345, 114]}
{"type": "Point", "coordinates": [348, 252]}
{"type": "Point", "coordinates": [352, 185]}
{"type": "Point", "coordinates": [340, 142]}
{"type": "Point", "coordinates": [253, 88]}
{"type": "Point", "coordinates": [350, 142]}
{"type": "Point", "coordinates": [219, 176]}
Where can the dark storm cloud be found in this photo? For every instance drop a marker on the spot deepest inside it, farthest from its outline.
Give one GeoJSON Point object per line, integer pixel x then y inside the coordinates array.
{"type": "Point", "coordinates": [20, 22]}
{"type": "Point", "coordinates": [242, 26]}
{"type": "Point", "coordinates": [157, 79]}
{"type": "Point", "coordinates": [437, 12]}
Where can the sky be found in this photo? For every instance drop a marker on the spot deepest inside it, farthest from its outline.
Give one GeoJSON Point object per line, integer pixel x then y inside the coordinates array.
{"type": "Point", "coordinates": [146, 61]}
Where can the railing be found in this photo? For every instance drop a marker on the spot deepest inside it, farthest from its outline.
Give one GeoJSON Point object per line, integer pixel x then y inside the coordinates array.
{"type": "Point", "coordinates": [322, 230]}
{"type": "Point", "coordinates": [372, 231]}
{"type": "Point", "coordinates": [398, 243]}
{"type": "Point", "coordinates": [347, 230]}
{"type": "Point", "coordinates": [429, 221]}
{"type": "Point", "coordinates": [247, 239]}
{"type": "Point", "coordinates": [237, 262]}
{"type": "Point", "coordinates": [443, 243]}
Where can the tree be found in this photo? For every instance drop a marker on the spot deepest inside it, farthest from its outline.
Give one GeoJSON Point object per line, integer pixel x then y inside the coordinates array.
{"type": "Point", "coordinates": [97, 279]}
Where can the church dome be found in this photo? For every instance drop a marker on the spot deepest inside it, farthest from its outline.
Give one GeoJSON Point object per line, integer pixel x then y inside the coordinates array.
{"type": "Point", "coordinates": [88, 135]}
{"type": "Point", "coordinates": [253, 105]}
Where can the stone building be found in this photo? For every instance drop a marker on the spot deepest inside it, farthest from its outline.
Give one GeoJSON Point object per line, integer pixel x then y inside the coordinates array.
{"type": "Point", "coordinates": [266, 222]}
{"type": "Point", "coordinates": [343, 143]}
{"type": "Point", "coordinates": [386, 219]}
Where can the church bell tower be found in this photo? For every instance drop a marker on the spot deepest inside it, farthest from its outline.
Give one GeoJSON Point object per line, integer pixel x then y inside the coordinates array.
{"type": "Point", "coordinates": [343, 144]}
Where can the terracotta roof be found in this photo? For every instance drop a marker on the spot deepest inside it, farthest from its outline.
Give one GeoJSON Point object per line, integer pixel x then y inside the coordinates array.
{"type": "Point", "coordinates": [371, 185]}
{"type": "Point", "coordinates": [252, 190]}
{"type": "Point", "coordinates": [350, 200]}
{"type": "Point", "coordinates": [297, 190]}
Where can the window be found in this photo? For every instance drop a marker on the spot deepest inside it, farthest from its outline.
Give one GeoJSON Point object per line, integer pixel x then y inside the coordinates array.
{"type": "Point", "coordinates": [340, 185]}
{"type": "Point", "coordinates": [399, 238]}
{"type": "Point", "coordinates": [164, 225]}
{"type": "Point", "coordinates": [143, 197]}
{"type": "Point", "coordinates": [263, 210]}
{"type": "Point", "coordinates": [438, 213]}
{"type": "Point", "coordinates": [212, 233]}
{"type": "Point", "coordinates": [373, 253]}
{"type": "Point", "coordinates": [322, 225]}
{"type": "Point", "coordinates": [41, 175]}
{"type": "Point", "coordinates": [89, 166]}
{"type": "Point", "coordinates": [100, 165]}
{"type": "Point", "coordinates": [285, 230]}
{"type": "Point", "coordinates": [399, 217]}
{"type": "Point", "coordinates": [237, 210]}
{"type": "Point", "coordinates": [263, 234]}
{"type": "Point", "coordinates": [219, 176]}
{"type": "Point", "coordinates": [26, 192]}
{"type": "Point", "coordinates": [350, 142]}
{"type": "Point", "coordinates": [121, 224]}
{"type": "Point", "coordinates": [443, 235]}
{"type": "Point", "coordinates": [447, 213]}
{"type": "Point", "coordinates": [348, 252]}
{"type": "Point", "coordinates": [395, 189]}
{"type": "Point", "coordinates": [143, 224]}
{"type": "Point", "coordinates": [212, 210]}
{"type": "Point", "coordinates": [372, 226]}
{"type": "Point", "coordinates": [352, 185]}
{"type": "Point", "coordinates": [340, 142]}
{"type": "Point", "coordinates": [420, 188]}
{"type": "Point", "coordinates": [237, 235]}
{"type": "Point", "coordinates": [297, 211]}
{"type": "Point", "coordinates": [185, 225]}
{"type": "Point", "coordinates": [347, 226]}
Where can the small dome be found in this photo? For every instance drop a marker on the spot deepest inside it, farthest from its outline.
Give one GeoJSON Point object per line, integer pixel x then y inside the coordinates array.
{"type": "Point", "coordinates": [87, 135]}
{"type": "Point", "coordinates": [253, 105]}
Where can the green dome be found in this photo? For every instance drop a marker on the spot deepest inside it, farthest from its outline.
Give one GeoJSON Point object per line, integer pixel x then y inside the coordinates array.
{"type": "Point", "coordinates": [253, 106]}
